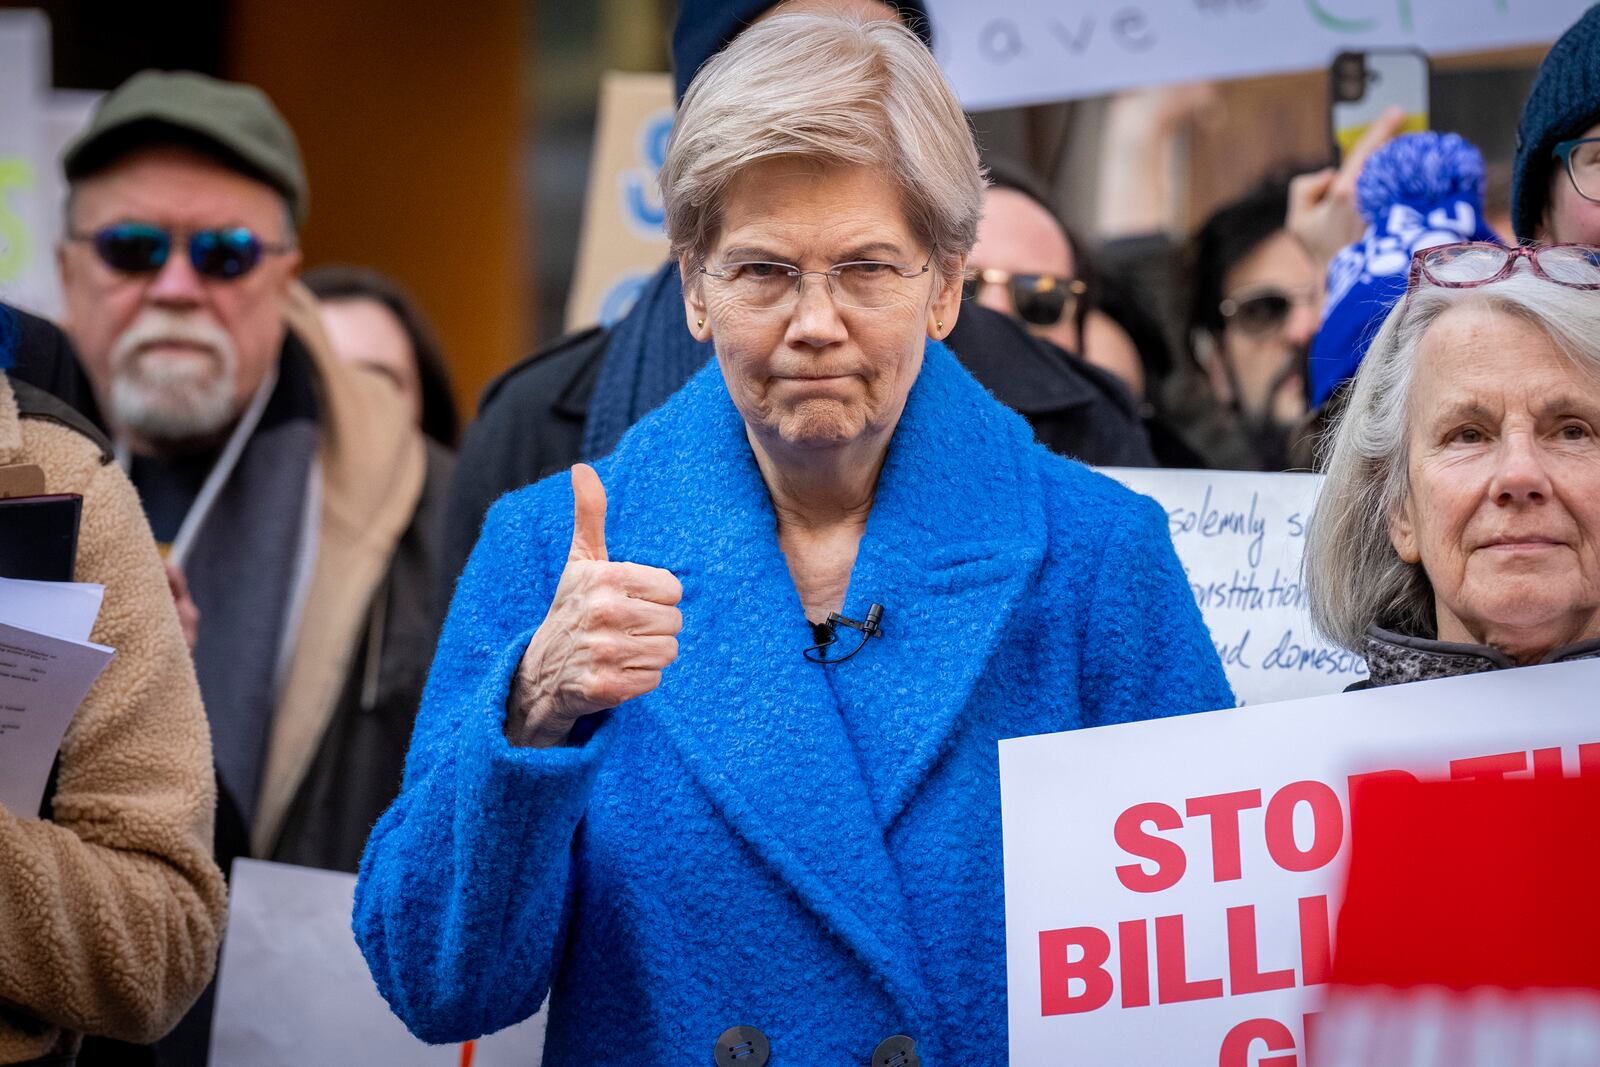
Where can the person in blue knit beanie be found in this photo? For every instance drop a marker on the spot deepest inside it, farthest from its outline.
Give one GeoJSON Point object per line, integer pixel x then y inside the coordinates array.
{"type": "Point", "coordinates": [707, 753]}
{"type": "Point", "coordinates": [1555, 183]}
{"type": "Point", "coordinates": [1419, 190]}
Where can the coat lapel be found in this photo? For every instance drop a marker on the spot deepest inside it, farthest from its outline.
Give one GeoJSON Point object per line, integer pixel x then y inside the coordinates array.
{"type": "Point", "coordinates": [755, 723]}
{"type": "Point", "coordinates": [956, 536]}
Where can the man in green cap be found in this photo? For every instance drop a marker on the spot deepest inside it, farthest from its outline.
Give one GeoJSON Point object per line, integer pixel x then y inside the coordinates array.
{"type": "Point", "coordinates": [293, 491]}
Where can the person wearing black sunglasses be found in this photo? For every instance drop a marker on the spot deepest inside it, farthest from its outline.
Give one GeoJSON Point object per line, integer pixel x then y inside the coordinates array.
{"type": "Point", "coordinates": [1256, 302]}
{"type": "Point", "coordinates": [293, 491]}
{"type": "Point", "coordinates": [1555, 192]}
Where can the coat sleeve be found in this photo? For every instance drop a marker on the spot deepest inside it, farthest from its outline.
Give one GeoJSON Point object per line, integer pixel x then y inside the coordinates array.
{"type": "Point", "coordinates": [461, 902]}
{"type": "Point", "coordinates": [1147, 651]}
{"type": "Point", "coordinates": [112, 910]}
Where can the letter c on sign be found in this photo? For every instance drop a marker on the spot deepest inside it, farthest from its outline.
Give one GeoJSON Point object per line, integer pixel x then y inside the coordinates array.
{"type": "Point", "coordinates": [1236, 1046]}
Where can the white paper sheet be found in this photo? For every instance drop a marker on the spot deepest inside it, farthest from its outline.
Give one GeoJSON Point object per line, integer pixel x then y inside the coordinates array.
{"type": "Point", "coordinates": [43, 679]}
{"type": "Point", "coordinates": [61, 609]}
{"type": "Point", "coordinates": [293, 987]}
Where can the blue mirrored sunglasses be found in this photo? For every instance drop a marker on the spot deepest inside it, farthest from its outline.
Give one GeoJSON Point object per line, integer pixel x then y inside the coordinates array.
{"type": "Point", "coordinates": [140, 248]}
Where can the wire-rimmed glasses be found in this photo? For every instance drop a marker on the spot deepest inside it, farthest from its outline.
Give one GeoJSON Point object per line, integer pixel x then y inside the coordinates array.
{"type": "Point", "coordinates": [1581, 158]}
{"type": "Point", "coordinates": [1473, 263]}
{"type": "Point", "coordinates": [864, 284]}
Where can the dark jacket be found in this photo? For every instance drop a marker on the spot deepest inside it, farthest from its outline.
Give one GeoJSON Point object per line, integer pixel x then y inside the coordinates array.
{"type": "Point", "coordinates": [530, 419]}
{"type": "Point", "coordinates": [356, 772]}
{"type": "Point", "coordinates": [46, 359]}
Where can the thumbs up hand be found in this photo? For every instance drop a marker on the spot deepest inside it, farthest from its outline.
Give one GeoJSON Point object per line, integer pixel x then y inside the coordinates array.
{"type": "Point", "coordinates": [612, 628]}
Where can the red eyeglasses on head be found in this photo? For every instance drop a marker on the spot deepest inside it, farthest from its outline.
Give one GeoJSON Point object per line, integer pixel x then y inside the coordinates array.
{"type": "Point", "coordinates": [1473, 263]}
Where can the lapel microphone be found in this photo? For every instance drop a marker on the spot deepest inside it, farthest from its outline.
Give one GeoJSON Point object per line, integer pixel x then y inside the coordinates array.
{"type": "Point", "coordinates": [870, 627]}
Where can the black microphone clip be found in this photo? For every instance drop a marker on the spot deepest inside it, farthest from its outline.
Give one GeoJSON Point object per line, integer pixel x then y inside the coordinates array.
{"type": "Point", "coordinates": [870, 627]}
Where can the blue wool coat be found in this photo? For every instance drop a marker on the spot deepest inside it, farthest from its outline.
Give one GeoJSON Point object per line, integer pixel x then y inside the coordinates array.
{"type": "Point", "coordinates": [810, 850]}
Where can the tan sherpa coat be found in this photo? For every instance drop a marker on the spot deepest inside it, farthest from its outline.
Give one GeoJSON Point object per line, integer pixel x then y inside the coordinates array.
{"type": "Point", "coordinates": [110, 915]}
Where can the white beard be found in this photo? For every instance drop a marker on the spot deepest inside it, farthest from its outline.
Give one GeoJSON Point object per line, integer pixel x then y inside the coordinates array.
{"type": "Point", "coordinates": [173, 397]}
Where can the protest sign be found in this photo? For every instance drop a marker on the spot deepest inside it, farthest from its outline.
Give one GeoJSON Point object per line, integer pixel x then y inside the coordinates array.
{"type": "Point", "coordinates": [36, 123]}
{"type": "Point", "coordinates": [292, 986]}
{"type": "Point", "coordinates": [1033, 51]}
{"type": "Point", "coordinates": [26, 272]}
{"type": "Point", "coordinates": [624, 239]}
{"type": "Point", "coordinates": [1170, 885]}
{"type": "Point", "coordinates": [1240, 537]}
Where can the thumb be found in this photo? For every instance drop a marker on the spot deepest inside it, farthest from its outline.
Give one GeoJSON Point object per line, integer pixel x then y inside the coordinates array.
{"type": "Point", "coordinates": [588, 515]}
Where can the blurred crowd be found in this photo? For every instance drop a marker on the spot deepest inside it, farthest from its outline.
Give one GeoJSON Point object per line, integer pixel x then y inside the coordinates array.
{"type": "Point", "coordinates": [280, 496]}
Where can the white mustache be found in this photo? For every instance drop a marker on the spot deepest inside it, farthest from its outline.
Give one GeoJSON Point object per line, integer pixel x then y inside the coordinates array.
{"type": "Point", "coordinates": [156, 327]}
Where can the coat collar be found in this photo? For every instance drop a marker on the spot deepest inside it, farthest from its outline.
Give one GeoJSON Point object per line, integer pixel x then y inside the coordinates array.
{"type": "Point", "coordinates": [812, 765]}
{"type": "Point", "coordinates": [372, 463]}
{"type": "Point", "coordinates": [1393, 658]}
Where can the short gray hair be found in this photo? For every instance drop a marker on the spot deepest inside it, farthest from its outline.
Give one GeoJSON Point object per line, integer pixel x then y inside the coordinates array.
{"type": "Point", "coordinates": [1354, 576]}
{"type": "Point", "coordinates": [834, 90]}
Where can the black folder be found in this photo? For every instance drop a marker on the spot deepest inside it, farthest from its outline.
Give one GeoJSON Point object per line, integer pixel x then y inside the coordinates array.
{"type": "Point", "coordinates": [39, 537]}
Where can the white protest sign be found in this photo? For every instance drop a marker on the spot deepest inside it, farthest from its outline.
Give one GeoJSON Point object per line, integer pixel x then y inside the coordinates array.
{"type": "Point", "coordinates": [624, 237]}
{"type": "Point", "coordinates": [292, 986]}
{"type": "Point", "coordinates": [36, 123]}
{"type": "Point", "coordinates": [1011, 52]}
{"type": "Point", "coordinates": [1171, 885]}
{"type": "Point", "coordinates": [1240, 537]}
{"type": "Point", "coordinates": [27, 271]}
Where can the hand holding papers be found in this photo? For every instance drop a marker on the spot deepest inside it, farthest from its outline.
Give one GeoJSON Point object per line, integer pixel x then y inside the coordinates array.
{"type": "Point", "coordinates": [47, 666]}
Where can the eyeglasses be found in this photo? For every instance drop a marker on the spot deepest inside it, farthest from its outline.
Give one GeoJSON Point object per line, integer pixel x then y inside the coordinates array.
{"type": "Point", "coordinates": [1263, 311]}
{"type": "Point", "coordinates": [1040, 299]}
{"type": "Point", "coordinates": [1581, 157]}
{"type": "Point", "coordinates": [1473, 263]}
{"type": "Point", "coordinates": [140, 248]}
{"type": "Point", "coordinates": [865, 284]}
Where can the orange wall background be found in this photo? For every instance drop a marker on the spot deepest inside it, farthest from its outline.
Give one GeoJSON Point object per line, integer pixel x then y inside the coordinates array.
{"type": "Point", "coordinates": [411, 118]}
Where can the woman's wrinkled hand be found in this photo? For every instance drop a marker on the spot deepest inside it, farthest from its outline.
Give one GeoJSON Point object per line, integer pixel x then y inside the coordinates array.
{"type": "Point", "coordinates": [612, 628]}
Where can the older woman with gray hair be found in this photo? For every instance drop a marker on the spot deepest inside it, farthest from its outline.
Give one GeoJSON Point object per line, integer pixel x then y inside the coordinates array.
{"type": "Point", "coordinates": [1459, 527]}
{"type": "Point", "coordinates": [738, 795]}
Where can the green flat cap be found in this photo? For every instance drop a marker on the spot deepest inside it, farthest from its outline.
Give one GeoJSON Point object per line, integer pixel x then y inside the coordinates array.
{"type": "Point", "coordinates": [236, 123]}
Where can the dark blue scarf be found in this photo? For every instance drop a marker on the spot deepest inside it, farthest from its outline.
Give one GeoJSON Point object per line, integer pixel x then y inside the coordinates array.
{"type": "Point", "coordinates": [651, 354]}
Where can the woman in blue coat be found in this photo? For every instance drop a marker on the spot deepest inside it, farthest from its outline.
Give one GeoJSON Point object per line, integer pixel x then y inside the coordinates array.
{"type": "Point", "coordinates": [632, 784]}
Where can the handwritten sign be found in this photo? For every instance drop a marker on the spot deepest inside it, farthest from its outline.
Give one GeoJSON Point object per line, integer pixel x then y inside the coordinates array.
{"type": "Point", "coordinates": [1240, 537]}
{"type": "Point", "coordinates": [1170, 885]}
{"type": "Point", "coordinates": [624, 237]}
{"type": "Point", "coordinates": [1012, 52]}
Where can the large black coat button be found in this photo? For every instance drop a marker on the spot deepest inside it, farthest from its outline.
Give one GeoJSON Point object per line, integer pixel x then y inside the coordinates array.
{"type": "Point", "coordinates": [896, 1051]}
{"type": "Point", "coordinates": [743, 1046]}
